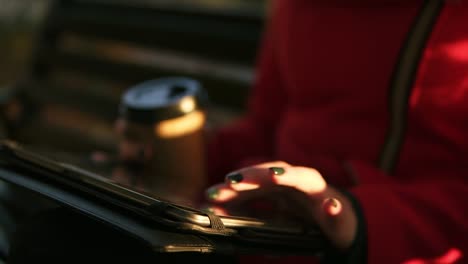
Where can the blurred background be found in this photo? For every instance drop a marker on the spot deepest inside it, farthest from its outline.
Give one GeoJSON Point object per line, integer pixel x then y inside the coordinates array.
{"type": "Point", "coordinates": [65, 63]}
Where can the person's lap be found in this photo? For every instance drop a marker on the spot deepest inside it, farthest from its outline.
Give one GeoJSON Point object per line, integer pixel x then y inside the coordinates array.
{"type": "Point", "coordinates": [63, 235]}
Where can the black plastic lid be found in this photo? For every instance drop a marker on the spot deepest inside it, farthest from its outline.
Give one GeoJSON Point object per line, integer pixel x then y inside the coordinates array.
{"type": "Point", "coordinates": [161, 99]}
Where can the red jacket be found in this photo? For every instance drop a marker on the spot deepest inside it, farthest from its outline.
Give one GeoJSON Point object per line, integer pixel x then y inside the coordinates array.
{"type": "Point", "coordinates": [320, 100]}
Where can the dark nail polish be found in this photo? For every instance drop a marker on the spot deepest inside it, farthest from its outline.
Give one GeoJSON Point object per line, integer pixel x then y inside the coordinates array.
{"type": "Point", "coordinates": [332, 207]}
{"type": "Point", "coordinates": [208, 210]}
{"type": "Point", "coordinates": [212, 193]}
{"type": "Point", "coordinates": [234, 177]}
{"type": "Point", "coordinates": [277, 170]}
{"type": "Point", "coordinates": [332, 201]}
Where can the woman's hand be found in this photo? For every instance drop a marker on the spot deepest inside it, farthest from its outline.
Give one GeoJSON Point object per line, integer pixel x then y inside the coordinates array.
{"type": "Point", "coordinates": [298, 192]}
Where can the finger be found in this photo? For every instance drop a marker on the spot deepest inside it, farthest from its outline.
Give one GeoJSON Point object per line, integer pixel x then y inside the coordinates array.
{"type": "Point", "coordinates": [298, 204]}
{"type": "Point", "coordinates": [220, 193]}
{"type": "Point", "coordinates": [245, 179]}
{"type": "Point", "coordinates": [257, 170]}
{"type": "Point", "coordinates": [335, 215]}
{"type": "Point", "coordinates": [249, 179]}
{"type": "Point", "coordinates": [304, 179]}
{"type": "Point", "coordinates": [215, 210]}
{"type": "Point", "coordinates": [253, 177]}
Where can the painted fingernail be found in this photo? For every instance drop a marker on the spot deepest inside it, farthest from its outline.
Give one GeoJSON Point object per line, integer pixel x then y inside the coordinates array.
{"type": "Point", "coordinates": [214, 210]}
{"type": "Point", "coordinates": [213, 193]}
{"type": "Point", "coordinates": [332, 206]}
{"type": "Point", "coordinates": [277, 170]}
{"type": "Point", "coordinates": [208, 210]}
{"type": "Point", "coordinates": [234, 177]}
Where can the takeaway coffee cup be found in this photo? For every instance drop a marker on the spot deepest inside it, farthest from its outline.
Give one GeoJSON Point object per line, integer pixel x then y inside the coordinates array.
{"type": "Point", "coordinates": [164, 119]}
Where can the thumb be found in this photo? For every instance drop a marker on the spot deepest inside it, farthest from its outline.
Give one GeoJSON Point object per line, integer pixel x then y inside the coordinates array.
{"type": "Point", "coordinates": [336, 217]}
{"type": "Point", "coordinates": [332, 207]}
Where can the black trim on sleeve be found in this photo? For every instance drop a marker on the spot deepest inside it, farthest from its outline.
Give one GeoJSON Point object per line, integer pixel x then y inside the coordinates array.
{"type": "Point", "coordinates": [403, 80]}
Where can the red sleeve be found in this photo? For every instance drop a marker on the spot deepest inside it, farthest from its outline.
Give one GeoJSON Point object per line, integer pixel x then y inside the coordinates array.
{"type": "Point", "coordinates": [253, 133]}
{"type": "Point", "coordinates": [423, 219]}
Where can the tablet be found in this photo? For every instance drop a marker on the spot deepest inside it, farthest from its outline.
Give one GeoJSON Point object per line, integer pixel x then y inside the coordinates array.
{"type": "Point", "coordinates": [152, 210]}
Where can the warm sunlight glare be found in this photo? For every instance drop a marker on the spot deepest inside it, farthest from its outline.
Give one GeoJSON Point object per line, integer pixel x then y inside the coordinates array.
{"type": "Point", "coordinates": [225, 195]}
{"type": "Point", "coordinates": [180, 126]}
{"type": "Point", "coordinates": [244, 186]}
{"type": "Point", "coordinates": [187, 104]}
{"type": "Point", "coordinates": [304, 179]}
